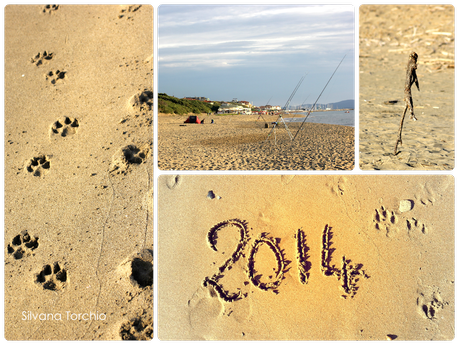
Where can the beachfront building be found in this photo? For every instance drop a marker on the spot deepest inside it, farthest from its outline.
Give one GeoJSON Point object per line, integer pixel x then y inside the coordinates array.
{"type": "Point", "coordinates": [246, 104]}
{"type": "Point", "coordinates": [230, 108]}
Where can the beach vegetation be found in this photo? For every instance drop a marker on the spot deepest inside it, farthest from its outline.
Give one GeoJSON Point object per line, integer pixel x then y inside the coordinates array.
{"type": "Point", "coordinates": [173, 105]}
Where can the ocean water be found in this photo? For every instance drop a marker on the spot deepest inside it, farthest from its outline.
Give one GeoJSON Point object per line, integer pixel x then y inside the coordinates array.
{"type": "Point", "coordinates": [326, 117]}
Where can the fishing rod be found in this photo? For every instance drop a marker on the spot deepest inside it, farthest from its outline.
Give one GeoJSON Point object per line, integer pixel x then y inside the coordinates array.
{"type": "Point", "coordinates": [309, 112]}
{"type": "Point", "coordinates": [285, 108]}
{"type": "Point", "coordinates": [294, 91]}
{"type": "Point", "coordinates": [262, 115]}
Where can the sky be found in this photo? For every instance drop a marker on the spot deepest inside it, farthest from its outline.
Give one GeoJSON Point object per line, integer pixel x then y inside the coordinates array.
{"type": "Point", "coordinates": [256, 53]}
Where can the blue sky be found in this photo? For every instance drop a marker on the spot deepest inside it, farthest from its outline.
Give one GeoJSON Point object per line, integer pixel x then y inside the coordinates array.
{"type": "Point", "coordinates": [256, 53]}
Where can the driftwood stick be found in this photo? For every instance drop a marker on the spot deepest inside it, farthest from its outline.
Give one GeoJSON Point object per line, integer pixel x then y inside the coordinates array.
{"type": "Point", "coordinates": [399, 140]}
{"type": "Point", "coordinates": [411, 78]}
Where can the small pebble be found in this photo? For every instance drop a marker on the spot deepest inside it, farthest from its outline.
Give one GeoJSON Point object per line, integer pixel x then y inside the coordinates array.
{"type": "Point", "coordinates": [406, 205]}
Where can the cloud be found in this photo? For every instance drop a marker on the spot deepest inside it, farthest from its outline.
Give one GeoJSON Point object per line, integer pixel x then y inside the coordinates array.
{"type": "Point", "coordinates": [221, 36]}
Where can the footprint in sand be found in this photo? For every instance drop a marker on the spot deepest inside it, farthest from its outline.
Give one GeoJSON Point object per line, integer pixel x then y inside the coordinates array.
{"type": "Point", "coordinates": [41, 58]}
{"type": "Point", "coordinates": [22, 245]}
{"type": "Point", "coordinates": [204, 309]}
{"type": "Point", "coordinates": [38, 166]}
{"type": "Point", "coordinates": [55, 76]}
{"type": "Point", "coordinates": [127, 11]}
{"type": "Point", "coordinates": [138, 328]}
{"type": "Point", "coordinates": [64, 126]}
{"type": "Point", "coordinates": [429, 303]}
{"type": "Point", "coordinates": [138, 269]}
{"type": "Point", "coordinates": [142, 101]}
{"type": "Point", "coordinates": [50, 9]}
{"type": "Point", "coordinates": [128, 156]}
{"type": "Point", "coordinates": [173, 182]}
{"type": "Point", "coordinates": [52, 277]}
{"type": "Point", "coordinates": [385, 220]}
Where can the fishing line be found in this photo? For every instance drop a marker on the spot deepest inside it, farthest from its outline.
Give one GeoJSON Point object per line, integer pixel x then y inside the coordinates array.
{"type": "Point", "coordinates": [309, 112]}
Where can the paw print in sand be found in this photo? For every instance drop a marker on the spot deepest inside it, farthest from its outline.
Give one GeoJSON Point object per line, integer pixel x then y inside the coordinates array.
{"type": "Point", "coordinates": [40, 58]}
{"type": "Point", "coordinates": [128, 156]}
{"type": "Point", "coordinates": [126, 11]}
{"type": "Point", "coordinates": [38, 166]}
{"type": "Point", "coordinates": [385, 220]}
{"type": "Point", "coordinates": [52, 277]}
{"type": "Point", "coordinates": [65, 126]}
{"type": "Point", "coordinates": [50, 9]}
{"type": "Point", "coordinates": [22, 245]}
{"type": "Point", "coordinates": [54, 76]}
{"type": "Point", "coordinates": [142, 101]}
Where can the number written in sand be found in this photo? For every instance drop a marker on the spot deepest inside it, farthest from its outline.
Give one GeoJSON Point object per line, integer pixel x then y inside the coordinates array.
{"type": "Point", "coordinates": [272, 245]}
{"type": "Point", "coordinates": [212, 240]}
{"type": "Point", "coordinates": [348, 273]}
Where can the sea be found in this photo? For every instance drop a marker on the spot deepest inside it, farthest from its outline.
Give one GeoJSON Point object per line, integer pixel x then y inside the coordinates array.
{"type": "Point", "coordinates": [327, 117]}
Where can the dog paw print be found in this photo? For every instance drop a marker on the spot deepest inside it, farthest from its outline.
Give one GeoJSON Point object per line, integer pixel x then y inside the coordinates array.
{"type": "Point", "coordinates": [128, 10]}
{"type": "Point", "coordinates": [41, 58]}
{"type": "Point", "coordinates": [54, 76]}
{"type": "Point", "coordinates": [429, 305]}
{"type": "Point", "coordinates": [52, 277]}
{"type": "Point", "coordinates": [138, 328]}
{"type": "Point", "coordinates": [22, 245]}
{"type": "Point", "coordinates": [415, 225]}
{"type": "Point", "coordinates": [65, 126]}
{"type": "Point", "coordinates": [38, 166]}
{"type": "Point", "coordinates": [128, 156]}
{"type": "Point", "coordinates": [385, 220]}
{"type": "Point", "coordinates": [141, 102]}
{"type": "Point", "coordinates": [50, 9]}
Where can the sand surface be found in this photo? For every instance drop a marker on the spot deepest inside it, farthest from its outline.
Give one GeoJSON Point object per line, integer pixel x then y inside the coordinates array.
{"type": "Point", "coordinates": [387, 35]}
{"type": "Point", "coordinates": [78, 172]}
{"type": "Point", "coordinates": [238, 142]}
{"type": "Point", "coordinates": [261, 257]}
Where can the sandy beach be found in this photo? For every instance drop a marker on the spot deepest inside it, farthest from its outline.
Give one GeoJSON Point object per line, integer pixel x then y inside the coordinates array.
{"type": "Point", "coordinates": [239, 142]}
{"type": "Point", "coordinates": [78, 172]}
{"type": "Point", "coordinates": [306, 257]}
{"type": "Point", "coordinates": [387, 35]}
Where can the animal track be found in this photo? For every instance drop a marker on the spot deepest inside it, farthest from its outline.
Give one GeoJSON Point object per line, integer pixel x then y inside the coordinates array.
{"type": "Point", "coordinates": [173, 182]}
{"type": "Point", "coordinates": [38, 166]}
{"type": "Point", "coordinates": [52, 277]}
{"type": "Point", "coordinates": [429, 306]}
{"type": "Point", "coordinates": [338, 187]}
{"type": "Point", "coordinates": [65, 126]}
{"type": "Point", "coordinates": [127, 10]}
{"type": "Point", "coordinates": [142, 101]}
{"type": "Point", "coordinates": [142, 270]}
{"type": "Point", "coordinates": [138, 328]}
{"type": "Point", "coordinates": [127, 156]}
{"type": "Point", "coordinates": [40, 58]}
{"type": "Point", "coordinates": [54, 76]}
{"type": "Point", "coordinates": [414, 225]}
{"type": "Point", "coordinates": [385, 220]}
{"type": "Point", "coordinates": [22, 245]}
{"type": "Point", "coordinates": [50, 9]}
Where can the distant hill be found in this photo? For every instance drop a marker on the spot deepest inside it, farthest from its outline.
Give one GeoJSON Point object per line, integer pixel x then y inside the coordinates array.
{"type": "Point", "coordinates": [173, 105]}
{"type": "Point", "coordinates": [347, 104]}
